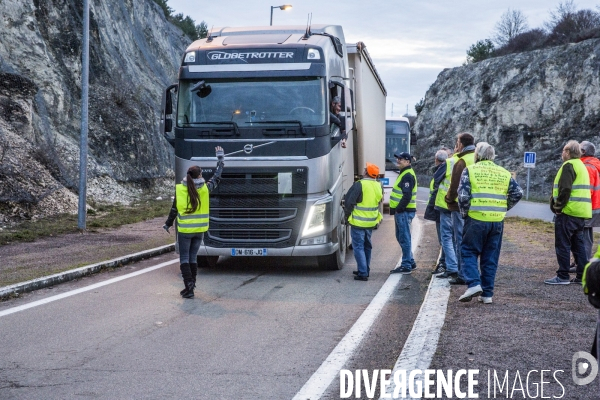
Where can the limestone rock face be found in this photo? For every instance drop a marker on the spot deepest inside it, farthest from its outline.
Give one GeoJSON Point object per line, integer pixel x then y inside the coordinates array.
{"type": "Point", "coordinates": [533, 101]}
{"type": "Point", "coordinates": [134, 54]}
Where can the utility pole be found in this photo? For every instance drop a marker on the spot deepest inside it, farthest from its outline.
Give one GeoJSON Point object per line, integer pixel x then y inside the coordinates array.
{"type": "Point", "coordinates": [83, 141]}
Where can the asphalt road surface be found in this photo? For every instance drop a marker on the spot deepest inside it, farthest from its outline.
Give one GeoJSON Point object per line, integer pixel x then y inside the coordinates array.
{"type": "Point", "coordinates": [257, 329]}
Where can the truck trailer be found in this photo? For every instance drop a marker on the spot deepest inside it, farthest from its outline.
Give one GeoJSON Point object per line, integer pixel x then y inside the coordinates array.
{"type": "Point", "coordinates": [264, 95]}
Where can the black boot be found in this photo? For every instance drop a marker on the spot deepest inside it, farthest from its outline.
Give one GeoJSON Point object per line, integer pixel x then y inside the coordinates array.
{"type": "Point", "coordinates": [186, 274]}
{"type": "Point", "coordinates": [194, 271]}
{"type": "Point", "coordinates": [189, 294]}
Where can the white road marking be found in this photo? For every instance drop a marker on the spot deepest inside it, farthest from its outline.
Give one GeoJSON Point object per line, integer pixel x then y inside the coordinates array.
{"type": "Point", "coordinates": [318, 383]}
{"type": "Point", "coordinates": [84, 289]}
{"type": "Point", "coordinates": [422, 341]}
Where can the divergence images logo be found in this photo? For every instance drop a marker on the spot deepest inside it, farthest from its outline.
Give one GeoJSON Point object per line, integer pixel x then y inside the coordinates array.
{"type": "Point", "coordinates": [221, 55]}
{"type": "Point", "coordinates": [580, 368]}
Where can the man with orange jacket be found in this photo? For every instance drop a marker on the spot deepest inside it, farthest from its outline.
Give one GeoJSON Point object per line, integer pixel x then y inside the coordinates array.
{"type": "Point", "coordinates": [588, 150]}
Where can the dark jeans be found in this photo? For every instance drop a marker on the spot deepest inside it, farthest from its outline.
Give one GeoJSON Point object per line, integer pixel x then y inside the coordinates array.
{"type": "Point", "coordinates": [588, 241]}
{"type": "Point", "coordinates": [568, 237]}
{"type": "Point", "coordinates": [442, 257]}
{"type": "Point", "coordinates": [481, 239]}
{"type": "Point", "coordinates": [361, 247]}
{"type": "Point", "coordinates": [457, 225]}
{"type": "Point", "coordinates": [403, 221]}
{"type": "Point", "coordinates": [189, 243]}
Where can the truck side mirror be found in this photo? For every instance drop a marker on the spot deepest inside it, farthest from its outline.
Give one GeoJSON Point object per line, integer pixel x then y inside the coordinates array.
{"type": "Point", "coordinates": [166, 121]}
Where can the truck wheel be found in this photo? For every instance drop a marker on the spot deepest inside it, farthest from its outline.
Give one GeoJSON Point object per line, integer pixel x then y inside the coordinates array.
{"type": "Point", "coordinates": [207, 261]}
{"type": "Point", "coordinates": [336, 260]}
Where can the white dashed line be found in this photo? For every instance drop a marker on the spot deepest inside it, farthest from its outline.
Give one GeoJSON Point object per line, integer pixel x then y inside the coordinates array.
{"type": "Point", "coordinates": [314, 388]}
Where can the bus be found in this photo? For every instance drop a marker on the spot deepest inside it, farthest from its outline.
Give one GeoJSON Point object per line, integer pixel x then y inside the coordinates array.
{"type": "Point", "coordinates": [397, 140]}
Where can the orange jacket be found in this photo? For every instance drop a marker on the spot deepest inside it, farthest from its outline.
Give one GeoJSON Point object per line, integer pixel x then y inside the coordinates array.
{"type": "Point", "coordinates": [593, 166]}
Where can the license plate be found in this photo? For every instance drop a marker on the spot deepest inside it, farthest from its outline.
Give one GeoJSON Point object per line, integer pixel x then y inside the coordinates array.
{"type": "Point", "coordinates": [248, 252]}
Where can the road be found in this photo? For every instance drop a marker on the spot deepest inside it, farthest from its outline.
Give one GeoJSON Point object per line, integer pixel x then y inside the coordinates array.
{"type": "Point", "coordinates": [525, 209]}
{"type": "Point", "coordinates": [257, 329]}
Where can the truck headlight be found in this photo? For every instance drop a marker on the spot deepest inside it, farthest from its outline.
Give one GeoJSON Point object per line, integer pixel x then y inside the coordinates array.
{"type": "Point", "coordinates": [313, 54]}
{"type": "Point", "coordinates": [190, 57]}
{"type": "Point", "coordinates": [315, 222]}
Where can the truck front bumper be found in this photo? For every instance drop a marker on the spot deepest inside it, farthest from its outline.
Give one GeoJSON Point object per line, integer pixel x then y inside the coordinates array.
{"type": "Point", "coordinates": [296, 251]}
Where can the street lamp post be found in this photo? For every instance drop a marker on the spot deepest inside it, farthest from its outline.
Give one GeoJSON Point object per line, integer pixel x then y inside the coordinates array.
{"type": "Point", "coordinates": [283, 7]}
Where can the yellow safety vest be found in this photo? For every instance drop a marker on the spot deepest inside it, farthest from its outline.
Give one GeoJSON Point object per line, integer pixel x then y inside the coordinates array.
{"type": "Point", "coordinates": [469, 160]}
{"type": "Point", "coordinates": [440, 198]}
{"type": "Point", "coordinates": [489, 190]}
{"type": "Point", "coordinates": [366, 213]}
{"type": "Point", "coordinates": [194, 222]}
{"type": "Point", "coordinates": [396, 194]}
{"type": "Point", "coordinates": [580, 202]}
{"type": "Point", "coordinates": [583, 280]}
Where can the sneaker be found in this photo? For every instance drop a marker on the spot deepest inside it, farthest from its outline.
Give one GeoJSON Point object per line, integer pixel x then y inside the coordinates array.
{"type": "Point", "coordinates": [457, 280]}
{"type": "Point", "coordinates": [439, 269]}
{"type": "Point", "coordinates": [361, 278]}
{"type": "Point", "coordinates": [413, 266]}
{"type": "Point", "coordinates": [356, 273]}
{"type": "Point", "coordinates": [484, 300]}
{"type": "Point", "coordinates": [470, 293]}
{"type": "Point", "coordinates": [557, 281]}
{"type": "Point", "coordinates": [401, 270]}
{"type": "Point", "coordinates": [576, 280]}
{"type": "Point", "coordinates": [447, 274]}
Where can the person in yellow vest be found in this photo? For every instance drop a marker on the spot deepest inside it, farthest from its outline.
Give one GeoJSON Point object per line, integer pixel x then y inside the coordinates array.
{"type": "Point", "coordinates": [485, 193]}
{"type": "Point", "coordinates": [191, 208]}
{"type": "Point", "coordinates": [361, 208]}
{"type": "Point", "coordinates": [431, 213]}
{"type": "Point", "coordinates": [403, 205]}
{"type": "Point", "coordinates": [571, 203]}
{"type": "Point", "coordinates": [464, 150]}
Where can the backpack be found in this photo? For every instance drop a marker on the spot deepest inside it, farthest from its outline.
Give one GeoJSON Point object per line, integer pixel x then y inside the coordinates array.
{"type": "Point", "coordinates": [591, 281]}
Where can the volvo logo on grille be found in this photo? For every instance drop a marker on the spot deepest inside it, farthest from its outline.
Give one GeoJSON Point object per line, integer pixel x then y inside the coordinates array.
{"type": "Point", "coordinates": [248, 148]}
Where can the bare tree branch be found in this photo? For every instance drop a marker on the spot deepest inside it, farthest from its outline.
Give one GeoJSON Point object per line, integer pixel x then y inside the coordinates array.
{"type": "Point", "coordinates": [512, 23]}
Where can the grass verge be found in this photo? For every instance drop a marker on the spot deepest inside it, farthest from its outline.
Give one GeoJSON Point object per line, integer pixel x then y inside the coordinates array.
{"type": "Point", "coordinates": [103, 216]}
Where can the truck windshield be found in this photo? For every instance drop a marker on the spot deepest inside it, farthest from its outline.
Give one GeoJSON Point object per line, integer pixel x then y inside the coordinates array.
{"type": "Point", "coordinates": [249, 102]}
{"type": "Point", "coordinates": [397, 137]}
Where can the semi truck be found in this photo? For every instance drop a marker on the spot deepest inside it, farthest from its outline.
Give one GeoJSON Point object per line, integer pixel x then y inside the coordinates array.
{"type": "Point", "coordinates": [264, 95]}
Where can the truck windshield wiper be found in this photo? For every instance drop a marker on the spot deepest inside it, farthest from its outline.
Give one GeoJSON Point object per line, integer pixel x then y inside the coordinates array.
{"type": "Point", "coordinates": [294, 121]}
{"type": "Point", "coordinates": [236, 129]}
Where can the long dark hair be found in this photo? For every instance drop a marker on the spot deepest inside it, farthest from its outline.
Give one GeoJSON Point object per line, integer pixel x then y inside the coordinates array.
{"type": "Point", "coordinates": [194, 200]}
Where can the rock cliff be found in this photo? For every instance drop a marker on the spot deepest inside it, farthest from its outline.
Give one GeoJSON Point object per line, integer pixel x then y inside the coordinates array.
{"type": "Point", "coordinates": [532, 101]}
{"type": "Point", "coordinates": [134, 53]}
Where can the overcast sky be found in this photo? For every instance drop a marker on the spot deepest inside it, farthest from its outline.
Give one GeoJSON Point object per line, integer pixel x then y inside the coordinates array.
{"type": "Point", "coordinates": [411, 42]}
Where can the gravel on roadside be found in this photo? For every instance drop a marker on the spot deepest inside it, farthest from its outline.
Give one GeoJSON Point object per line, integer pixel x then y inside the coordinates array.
{"type": "Point", "coordinates": [21, 262]}
{"type": "Point", "coordinates": [530, 326]}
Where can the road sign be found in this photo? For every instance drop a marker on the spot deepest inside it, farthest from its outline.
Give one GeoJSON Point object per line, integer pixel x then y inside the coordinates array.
{"type": "Point", "coordinates": [529, 159]}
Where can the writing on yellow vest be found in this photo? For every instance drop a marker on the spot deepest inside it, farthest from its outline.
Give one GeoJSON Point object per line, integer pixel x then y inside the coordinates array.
{"type": "Point", "coordinates": [580, 202]}
{"type": "Point", "coordinates": [366, 213]}
{"type": "Point", "coordinates": [396, 194]}
{"type": "Point", "coordinates": [197, 221]}
{"type": "Point", "coordinates": [489, 191]}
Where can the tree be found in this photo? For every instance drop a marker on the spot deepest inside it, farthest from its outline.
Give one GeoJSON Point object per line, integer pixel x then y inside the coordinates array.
{"type": "Point", "coordinates": [419, 106]}
{"type": "Point", "coordinates": [165, 7]}
{"type": "Point", "coordinates": [512, 23]}
{"type": "Point", "coordinates": [202, 30]}
{"type": "Point", "coordinates": [479, 51]}
{"type": "Point", "coordinates": [567, 24]}
{"type": "Point", "coordinates": [186, 24]}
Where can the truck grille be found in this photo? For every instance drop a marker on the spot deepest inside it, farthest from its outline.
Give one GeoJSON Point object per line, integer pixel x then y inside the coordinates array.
{"type": "Point", "coordinates": [239, 236]}
{"type": "Point", "coordinates": [247, 210]}
{"type": "Point", "coordinates": [253, 214]}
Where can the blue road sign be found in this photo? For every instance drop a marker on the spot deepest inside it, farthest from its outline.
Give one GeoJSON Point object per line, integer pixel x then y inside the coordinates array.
{"type": "Point", "coordinates": [529, 159]}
